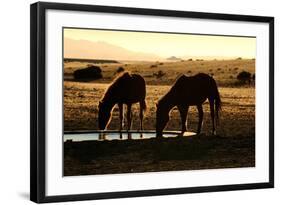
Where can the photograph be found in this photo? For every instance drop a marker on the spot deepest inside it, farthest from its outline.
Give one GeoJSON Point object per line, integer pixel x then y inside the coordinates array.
{"type": "Point", "coordinates": [147, 101]}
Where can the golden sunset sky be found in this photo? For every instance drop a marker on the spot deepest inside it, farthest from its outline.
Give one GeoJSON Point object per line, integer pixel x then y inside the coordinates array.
{"type": "Point", "coordinates": [88, 43]}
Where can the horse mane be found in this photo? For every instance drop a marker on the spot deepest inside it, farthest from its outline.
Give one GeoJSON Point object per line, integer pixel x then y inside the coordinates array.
{"type": "Point", "coordinates": [172, 89]}
{"type": "Point", "coordinates": [115, 84]}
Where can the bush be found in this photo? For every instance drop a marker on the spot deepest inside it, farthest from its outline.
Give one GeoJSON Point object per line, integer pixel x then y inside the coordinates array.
{"type": "Point", "coordinates": [120, 69]}
{"type": "Point", "coordinates": [91, 72]}
{"type": "Point", "coordinates": [244, 77]}
{"type": "Point", "coordinates": [153, 66]}
{"type": "Point", "coordinates": [159, 74]}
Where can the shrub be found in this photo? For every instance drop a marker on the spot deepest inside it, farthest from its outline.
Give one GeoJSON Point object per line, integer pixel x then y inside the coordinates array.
{"type": "Point", "coordinates": [153, 66]}
{"type": "Point", "coordinates": [120, 69]}
{"type": "Point", "coordinates": [91, 72]}
{"type": "Point", "coordinates": [190, 59]}
{"type": "Point", "coordinates": [244, 77]}
{"type": "Point", "coordinates": [159, 74]}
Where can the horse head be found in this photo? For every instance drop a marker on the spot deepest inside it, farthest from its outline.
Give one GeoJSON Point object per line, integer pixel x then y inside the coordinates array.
{"type": "Point", "coordinates": [104, 115]}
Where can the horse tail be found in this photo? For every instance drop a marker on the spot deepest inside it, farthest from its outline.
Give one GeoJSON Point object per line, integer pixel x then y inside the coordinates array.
{"type": "Point", "coordinates": [217, 99]}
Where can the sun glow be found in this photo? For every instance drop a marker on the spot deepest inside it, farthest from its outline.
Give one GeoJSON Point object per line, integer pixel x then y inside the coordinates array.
{"type": "Point", "coordinates": [87, 43]}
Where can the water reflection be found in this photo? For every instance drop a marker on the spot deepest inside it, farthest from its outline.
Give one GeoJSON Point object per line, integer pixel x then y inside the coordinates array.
{"type": "Point", "coordinates": [114, 136]}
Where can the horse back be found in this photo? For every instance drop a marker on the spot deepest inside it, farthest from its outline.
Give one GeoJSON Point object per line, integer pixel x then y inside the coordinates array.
{"type": "Point", "coordinates": [192, 90]}
{"type": "Point", "coordinates": [129, 88]}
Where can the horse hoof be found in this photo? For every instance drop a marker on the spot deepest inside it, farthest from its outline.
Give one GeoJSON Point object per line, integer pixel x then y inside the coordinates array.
{"type": "Point", "coordinates": [159, 137]}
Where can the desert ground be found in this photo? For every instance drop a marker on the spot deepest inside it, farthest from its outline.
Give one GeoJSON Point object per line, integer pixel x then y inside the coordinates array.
{"type": "Point", "coordinates": [235, 134]}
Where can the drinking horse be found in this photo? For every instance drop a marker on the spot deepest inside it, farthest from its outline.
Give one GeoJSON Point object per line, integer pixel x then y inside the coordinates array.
{"type": "Point", "coordinates": [126, 89]}
{"type": "Point", "coordinates": [189, 91]}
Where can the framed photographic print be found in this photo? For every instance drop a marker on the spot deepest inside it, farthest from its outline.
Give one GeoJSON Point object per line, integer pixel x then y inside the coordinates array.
{"type": "Point", "coordinates": [129, 102]}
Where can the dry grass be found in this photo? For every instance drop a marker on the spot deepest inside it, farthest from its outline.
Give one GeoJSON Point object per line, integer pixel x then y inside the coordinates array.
{"type": "Point", "coordinates": [236, 133]}
{"type": "Point", "coordinates": [237, 117]}
{"type": "Point", "coordinates": [224, 71]}
{"type": "Point", "coordinates": [81, 108]}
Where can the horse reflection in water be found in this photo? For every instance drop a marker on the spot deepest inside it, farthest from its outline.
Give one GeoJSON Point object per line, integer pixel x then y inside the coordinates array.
{"type": "Point", "coordinates": [189, 91]}
{"type": "Point", "coordinates": [104, 136]}
{"type": "Point", "coordinates": [126, 89]}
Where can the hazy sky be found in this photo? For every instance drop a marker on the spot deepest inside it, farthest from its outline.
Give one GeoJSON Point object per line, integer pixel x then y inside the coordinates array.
{"type": "Point", "coordinates": [161, 44]}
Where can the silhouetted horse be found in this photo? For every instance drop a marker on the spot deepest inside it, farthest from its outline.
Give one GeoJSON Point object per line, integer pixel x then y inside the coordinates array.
{"type": "Point", "coordinates": [125, 89]}
{"type": "Point", "coordinates": [188, 91]}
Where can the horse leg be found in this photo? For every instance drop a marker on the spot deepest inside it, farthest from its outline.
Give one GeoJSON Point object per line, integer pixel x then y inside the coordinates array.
{"type": "Point", "coordinates": [183, 113]}
{"type": "Point", "coordinates": [141, 116]}
{"type": "Point", "coordinates": [129, 116]}
{"type": "Point", "coordinates": [212, 109]}
{"type": "Point", "coordinates": [200, 112]}
{"type": "Point", "coordinates": [120, 105]}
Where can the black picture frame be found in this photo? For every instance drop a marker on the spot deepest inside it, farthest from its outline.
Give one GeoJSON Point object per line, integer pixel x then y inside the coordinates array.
{"type": "Point", "coordinates": [38, 100]}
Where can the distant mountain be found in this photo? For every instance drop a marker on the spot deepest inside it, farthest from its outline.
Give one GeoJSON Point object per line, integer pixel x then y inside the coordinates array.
{"type": "Point", "coordinates": [173, 58]}
{"type": "Point", "coordinates": [102, 50]}
{"type": "Point", "coordinates": [208, 57]}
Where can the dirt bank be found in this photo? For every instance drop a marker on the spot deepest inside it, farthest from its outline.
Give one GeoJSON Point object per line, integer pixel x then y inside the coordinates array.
{"type": "Point", "coordinates": [150, 155]}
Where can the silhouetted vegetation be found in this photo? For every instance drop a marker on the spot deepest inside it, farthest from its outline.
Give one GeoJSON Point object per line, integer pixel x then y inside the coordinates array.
{"type": "Point", "coordinates": [120, 69]}
{"type": "Point", "coordinates": [159, 74]}
{"type": "Point", "coordinates": [97, 61]}
{"type": "Point", "coordinates": [91, 72]}
{"type": "Point", "coordinates": [244, 77]}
